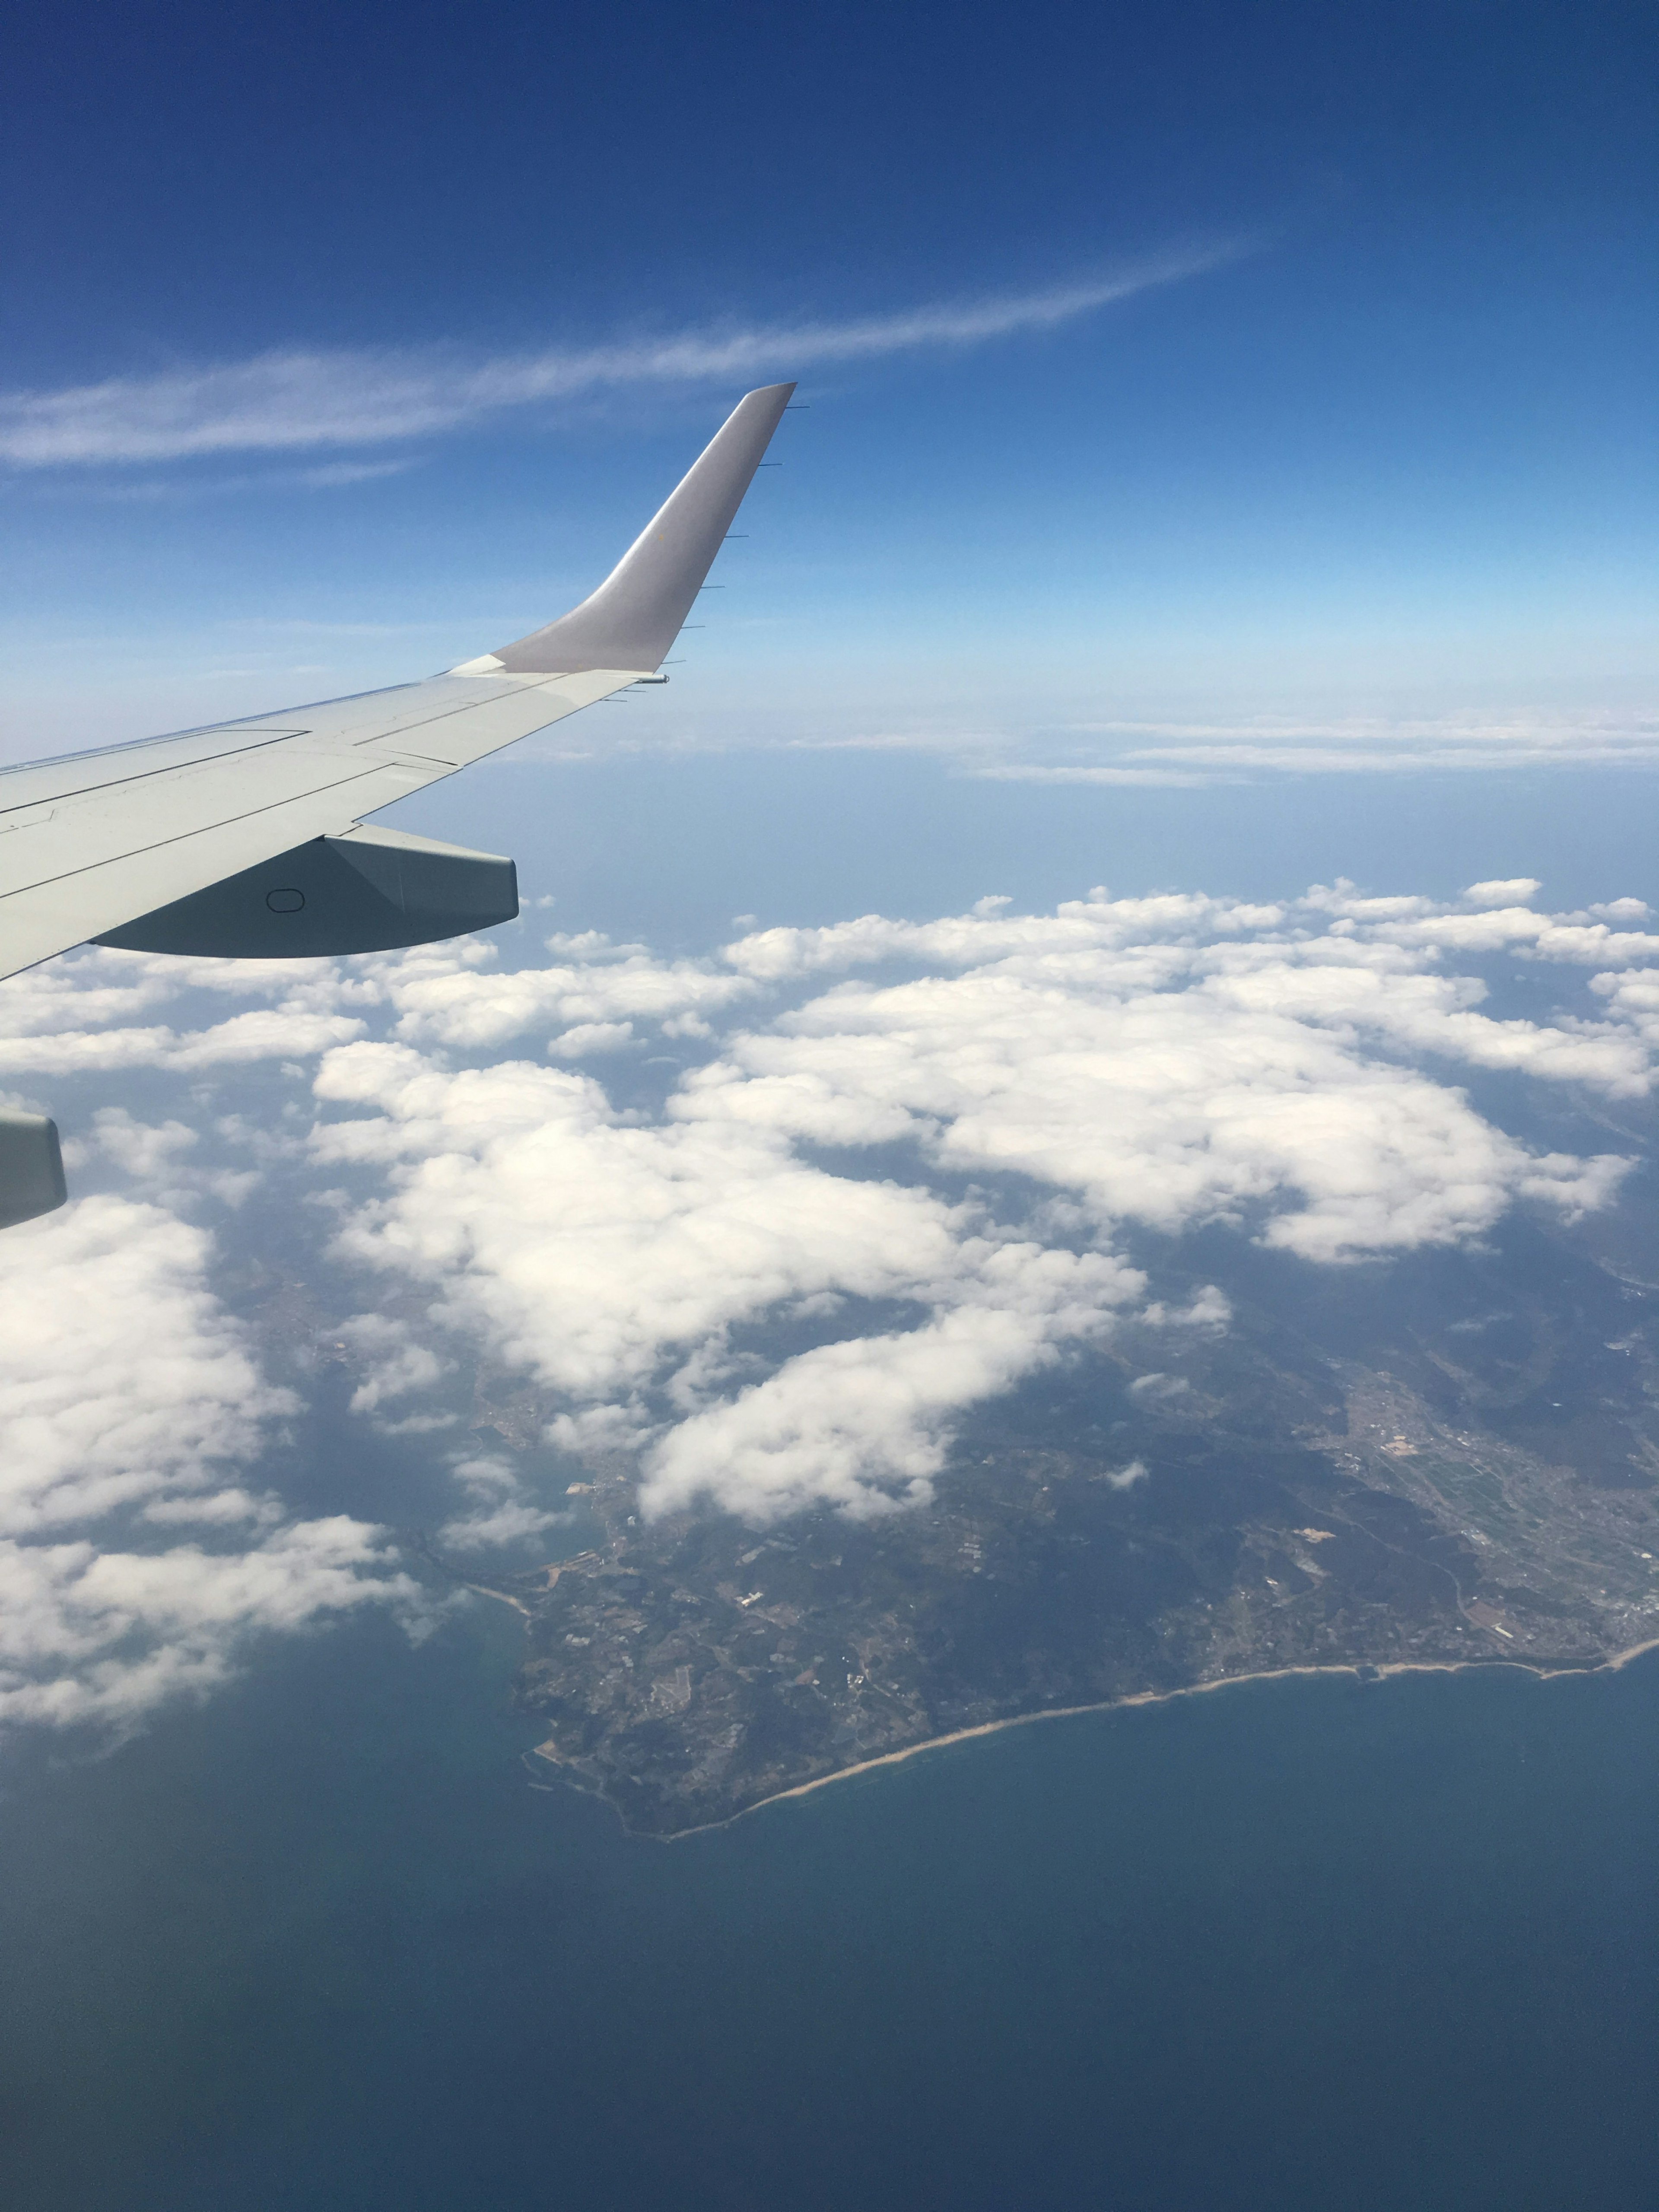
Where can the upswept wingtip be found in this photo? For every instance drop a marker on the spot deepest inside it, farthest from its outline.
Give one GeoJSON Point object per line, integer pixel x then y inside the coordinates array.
{"type": "Point", "coordinates": [635, 615]}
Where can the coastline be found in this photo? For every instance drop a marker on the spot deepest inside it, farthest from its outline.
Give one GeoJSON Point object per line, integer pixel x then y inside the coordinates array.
{"type": "Point", "coordinates": [483, 1589]}
{"type": "Point", "coordinates": [1357, 1667]}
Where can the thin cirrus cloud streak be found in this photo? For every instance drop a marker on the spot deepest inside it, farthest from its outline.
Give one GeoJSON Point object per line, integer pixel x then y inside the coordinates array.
{"type": "Point", "coordinates": [295, 400]}
{"type": "Point", "coordinates": [1173, 755]}
{"type": "Point", "coordinates": [1195, 754]}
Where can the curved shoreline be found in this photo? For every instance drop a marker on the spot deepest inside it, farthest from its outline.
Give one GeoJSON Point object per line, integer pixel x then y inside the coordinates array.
{"type": "Point", "coordinates": [1379, 1669]}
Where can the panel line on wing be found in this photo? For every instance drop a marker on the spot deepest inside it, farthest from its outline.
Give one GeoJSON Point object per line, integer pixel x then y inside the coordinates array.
{"type": "Point", "coordinates": [165, 768]}
{"type": "Point", "coordinates": [208, 828]}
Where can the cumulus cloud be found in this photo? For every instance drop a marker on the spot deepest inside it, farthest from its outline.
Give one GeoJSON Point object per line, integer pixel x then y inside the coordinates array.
{"type": "Point", "coordinates": [588, 1039]}
{"type": "Point", "coordinates": [89, 1634]}
{"type": "Point", "coordinates": [1158, 1388]}
{"type": "Point", "coordinates": [394, 1363]}
{"type": "Point", "coordinates": [892, 1177]}
{"type": "Point", "coordinates": [1503, 891]}
{"type": "Point", "coordinates": [588, 997]}
{"type": "Point", "coordinates": [500, 1514]}
{"type": "Point", "coordinates": [145, 1150]}
{"type": "Point", "coordinates": [492, 1529]}
{"type": "Point", "coordinates": [1163, 1062]}
{"type": "Point", "coordinates": [864, 1424]}
{"type": "Point", "coordinates": [130, 1400]}
{"type": "Point", "coordinates": [121, 1382]}
{"type": "Point", "coordinates": [1125, 1478]}
{"type": "Point", "coordinates": [1180, 1061]}
{"type": "Point", "coordinates": [283, 1033]}
{"type": "Point", "coordinates": [586, 1247]}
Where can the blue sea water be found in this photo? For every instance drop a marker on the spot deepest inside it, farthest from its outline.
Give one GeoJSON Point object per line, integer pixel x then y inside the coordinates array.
{"type": "Point", "coordinates": [671, 848]}
{"type": "Point", "coordinates": [1308, 1942]}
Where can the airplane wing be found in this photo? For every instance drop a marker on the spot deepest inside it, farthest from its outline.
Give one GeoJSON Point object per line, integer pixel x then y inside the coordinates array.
{"type": "Point", "coordinates": [248, 840]}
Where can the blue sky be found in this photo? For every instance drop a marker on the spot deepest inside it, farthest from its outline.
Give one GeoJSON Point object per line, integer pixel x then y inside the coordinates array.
{"type": "Point", "coordinates": [1359, 467]}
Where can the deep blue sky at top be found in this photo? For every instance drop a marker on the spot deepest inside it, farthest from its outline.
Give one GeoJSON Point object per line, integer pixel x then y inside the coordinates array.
{"type": "Point", "coordinates": [194, 177]}
{"type": "Point", "coordinates": [1399, 457]}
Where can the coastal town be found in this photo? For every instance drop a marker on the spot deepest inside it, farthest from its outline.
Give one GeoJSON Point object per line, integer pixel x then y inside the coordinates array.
{"type": "Point", "coordinates": [1271, 1506]}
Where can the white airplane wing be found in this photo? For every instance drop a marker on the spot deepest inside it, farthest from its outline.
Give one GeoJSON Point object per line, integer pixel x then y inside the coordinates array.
{"type": "Point", "coordinates": [248, 840]}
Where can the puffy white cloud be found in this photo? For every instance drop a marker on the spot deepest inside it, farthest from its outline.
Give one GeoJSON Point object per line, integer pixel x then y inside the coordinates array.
{"type": "Point", "coordinates": [1170, 1107]}
{"type": "Point", "coordinates": [1092, 926]}
{"type": "Point", "coordinates": [610, 1259]}
{"type": "Point", "coordinates": [93, 1634]}
{"type": "Point", "coordinates": [1158, 1388]}
{"type": "Point", "coordinates": [864, 1424]}
{"type": "Point", "coordinates": [492, 1529]}
{"type": "Point", "coordinates": [394, 1363]}
{"type": "Point", "coordinates": [702, 1286]}
{"type": "Point", "coordinates": [129, 1401]}
{"type": "Point", "coordinates": [142, 1150]}
{"type": "Point", "coordinates": [76, 1052]}
{"type": "Point", "coordinates": [121, 1381]}
{"type": "Point", "coordinates": [75, 994]}
{"type": "Point", "coordinates": [1633, 995]}
{"type": "Point", "coordinates": [285, 1032]}
{"type": "Point", "coordinates": [1168, 1061]}
{"type": "Point", "coordinates": [1577, 939]}
{"type": "Point", "coordinates": [265, 1033]}
{"type": "Point", "coordinates": [1503, 891]}
{"type": "Point", "coordinates": [501, 1515]}
{"type": "Point", "coordinates": [453, 996]}
{"type": "Point", "coordinates": [98, 990]}
{"type": "Point", "coordinates": [584, 1247]}
{"type": "Point", "coordinates": [1621, 909]}
{"type": "Point", "coordinates": [588, 1039]}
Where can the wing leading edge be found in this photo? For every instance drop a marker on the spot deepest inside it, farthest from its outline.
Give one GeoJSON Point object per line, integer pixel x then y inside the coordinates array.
{"type": "Point", "coordinates": [248, 839]}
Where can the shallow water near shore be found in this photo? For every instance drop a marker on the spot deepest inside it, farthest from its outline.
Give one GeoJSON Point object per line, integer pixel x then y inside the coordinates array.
{"type": "Point", "coordinates": [320, 1943]}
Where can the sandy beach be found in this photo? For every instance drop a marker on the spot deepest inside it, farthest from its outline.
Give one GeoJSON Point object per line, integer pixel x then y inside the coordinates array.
{"type": "Point", "coordinates": [1152, 1698]}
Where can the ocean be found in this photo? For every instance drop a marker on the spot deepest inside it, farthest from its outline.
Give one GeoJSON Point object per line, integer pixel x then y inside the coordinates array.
{"type": "Point", "coordinates": [1303, 1942]}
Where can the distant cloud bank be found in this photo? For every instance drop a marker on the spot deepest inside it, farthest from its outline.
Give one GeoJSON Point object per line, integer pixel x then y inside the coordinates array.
{"type": "Point", "coordinates": [1000, 739]}
{"type": "Point", "coordinates": [1187, 756]}
{"type": "Point", "coordinates": [298, 400]}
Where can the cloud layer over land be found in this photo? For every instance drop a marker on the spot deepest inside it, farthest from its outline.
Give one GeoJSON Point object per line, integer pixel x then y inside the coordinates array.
{"type": "Point", "coordinates": [770, 1222]}
{"type": "Point", "coordinates": [129, 1401]}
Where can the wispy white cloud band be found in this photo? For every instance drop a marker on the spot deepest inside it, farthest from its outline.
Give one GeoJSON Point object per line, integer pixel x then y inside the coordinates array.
{"type": "Point", "coordinates": [1192, 754]}
{"type": "Point", "coordinates": [296, 400]}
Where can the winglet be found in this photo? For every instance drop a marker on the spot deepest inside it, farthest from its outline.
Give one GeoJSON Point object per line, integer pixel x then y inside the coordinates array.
{"type": "Point", "coordinates": [638, 611]}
